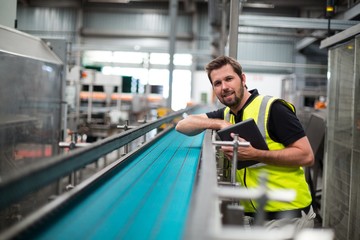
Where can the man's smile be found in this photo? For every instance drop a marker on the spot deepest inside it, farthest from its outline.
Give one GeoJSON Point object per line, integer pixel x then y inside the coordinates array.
{"type": "Point", "coordinates": [227, 94]}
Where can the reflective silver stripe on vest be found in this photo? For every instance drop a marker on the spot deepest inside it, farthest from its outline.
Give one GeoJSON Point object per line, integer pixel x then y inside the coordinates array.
{"type": "Point", "coordinates": [261, 117]}
{"type": "Point", "coordinates": [227, 116]}
{"type": "Point", "coordinates": [261, 124]}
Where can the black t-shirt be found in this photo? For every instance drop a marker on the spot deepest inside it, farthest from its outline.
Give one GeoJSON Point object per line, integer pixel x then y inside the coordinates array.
{"type": "Point", "coordinates": [284, 126]}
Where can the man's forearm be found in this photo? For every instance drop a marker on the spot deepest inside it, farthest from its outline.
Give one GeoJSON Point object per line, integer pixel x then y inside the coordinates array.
{"type": "Point", "coordinates": [195, 124]}
{"type": "Point", "coordinates": [296, 154]}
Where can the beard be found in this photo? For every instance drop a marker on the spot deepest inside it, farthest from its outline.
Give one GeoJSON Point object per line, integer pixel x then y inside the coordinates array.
{"type": "Point", "coordinates": [234, 102]}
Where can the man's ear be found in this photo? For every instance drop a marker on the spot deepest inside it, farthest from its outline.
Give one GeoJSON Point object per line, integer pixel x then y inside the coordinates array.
{"type": "Point", "coordinates": [243, 80]}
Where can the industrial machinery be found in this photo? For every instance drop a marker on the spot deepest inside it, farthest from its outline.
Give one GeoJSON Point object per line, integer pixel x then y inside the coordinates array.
{"type": "Point", "coordinates": [149, 187]}
{"type": "Point", "coordinates": [30, 98]}
{"type": "Point", "coordinates": [30, 107]}
{"type": "Point", "coordinates": [107, 100]}
{"type": "Point", "coordinates": [166, 188]}
{"type": "Point", "coordinates": [341, 162]}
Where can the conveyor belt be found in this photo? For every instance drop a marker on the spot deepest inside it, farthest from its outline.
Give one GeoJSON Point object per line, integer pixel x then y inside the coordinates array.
{"type": "Point", "coordinates": [147, 197]}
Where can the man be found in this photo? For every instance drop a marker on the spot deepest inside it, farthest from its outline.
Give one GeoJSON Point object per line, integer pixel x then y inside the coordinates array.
{"type": "Point", "coordinates": [289, 148]}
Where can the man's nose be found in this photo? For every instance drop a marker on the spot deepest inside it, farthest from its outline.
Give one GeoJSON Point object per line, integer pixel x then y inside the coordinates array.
{"type": "Point", "coordinates": [224, 85]}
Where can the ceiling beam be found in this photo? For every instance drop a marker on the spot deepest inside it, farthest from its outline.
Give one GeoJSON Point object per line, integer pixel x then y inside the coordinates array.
{"type": "Point", "coordinates": [91, 32]}
{"type": "Point", "coordinates": [54, 3]}
{"type": "Point", "coordinates": [294, 22]}
{"type": "Point", "coordinates": [342, 36]}
{"type": "Point", "coordinates": [347, 15]}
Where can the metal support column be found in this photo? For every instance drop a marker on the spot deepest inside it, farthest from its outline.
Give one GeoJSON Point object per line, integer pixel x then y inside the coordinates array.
{"type": "Point", "coordinates": [233, 28]}
{"type": "Point", "coordinates": [172, 38]}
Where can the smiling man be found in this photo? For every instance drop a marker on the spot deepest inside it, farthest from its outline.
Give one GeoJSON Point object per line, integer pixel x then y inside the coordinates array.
{"type": "Point", "coordinates": [289, 148]}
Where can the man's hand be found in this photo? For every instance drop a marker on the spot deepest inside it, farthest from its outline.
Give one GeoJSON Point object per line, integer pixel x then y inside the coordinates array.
{"type": "Point", "coordinates": [296, 154]}
{"type": "Point", "coordinates": [244, 152]}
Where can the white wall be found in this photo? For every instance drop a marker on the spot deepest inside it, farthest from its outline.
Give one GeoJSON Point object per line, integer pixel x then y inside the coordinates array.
{"type": "Point", "coordinates": [8, 13]}
{"type": "Point", "coordinates": [201, 84]}
{"type": "Point", "coordinates": [267, 84]}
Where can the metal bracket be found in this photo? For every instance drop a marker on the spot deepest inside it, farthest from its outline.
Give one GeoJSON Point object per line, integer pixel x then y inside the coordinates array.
{"type": "Point", "coordinates": [235, 143]}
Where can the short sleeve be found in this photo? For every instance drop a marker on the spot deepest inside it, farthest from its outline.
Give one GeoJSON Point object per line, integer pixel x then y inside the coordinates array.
{"type": "Point", "coordinates": [216, 114]}
{"type": "Point", "coordinates": [284, 126]}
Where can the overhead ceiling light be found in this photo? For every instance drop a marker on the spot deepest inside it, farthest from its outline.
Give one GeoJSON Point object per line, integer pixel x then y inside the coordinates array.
{"type": "Point", "coordinates": [109, 1]}
{"type": "Point", "coordinates": [258, 5]}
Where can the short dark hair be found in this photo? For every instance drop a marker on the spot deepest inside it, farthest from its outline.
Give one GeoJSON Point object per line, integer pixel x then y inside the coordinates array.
{"type": "Point", "coordinates": [222, 61]}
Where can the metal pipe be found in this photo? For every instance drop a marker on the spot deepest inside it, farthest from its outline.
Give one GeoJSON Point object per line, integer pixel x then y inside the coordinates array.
{"type": "Point", "coordinates": [234, 160]}
{"type": "Point", "coordinates": [72, 145]}
{"type": "Point", "coordinates": [126, 127]}
{"type": "Point", "coordinates": [173, 8]}
{"type": "Point", "coordinates": [235, 143]}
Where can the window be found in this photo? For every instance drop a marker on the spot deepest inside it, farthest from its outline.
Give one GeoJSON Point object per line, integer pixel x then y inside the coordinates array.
{"type": "Point", "coordinates": [148, 74]}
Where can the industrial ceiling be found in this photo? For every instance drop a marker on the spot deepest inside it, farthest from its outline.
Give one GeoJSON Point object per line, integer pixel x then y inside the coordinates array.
{"type": "Point", "coordinates": [307, 20]}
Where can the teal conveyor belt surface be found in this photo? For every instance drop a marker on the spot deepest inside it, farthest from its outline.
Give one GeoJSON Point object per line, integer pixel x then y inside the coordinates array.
{"type": "Point", "coordinates": [148, 197]}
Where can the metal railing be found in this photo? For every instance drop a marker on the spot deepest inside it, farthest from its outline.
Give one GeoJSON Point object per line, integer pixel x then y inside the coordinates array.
{"type": "Point", "coordinates": [48, 170]}
{"type": "Point", "coordinates": [205, 218]}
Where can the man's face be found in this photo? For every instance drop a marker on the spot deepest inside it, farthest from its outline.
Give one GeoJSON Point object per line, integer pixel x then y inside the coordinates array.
{"type": "Point", "coordinates": [228, 86]}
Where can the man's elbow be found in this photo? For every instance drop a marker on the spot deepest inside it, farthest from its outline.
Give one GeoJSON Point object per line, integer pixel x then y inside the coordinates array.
{"type": "Point", "coordinates": [178, 127]}
{"type": "Point", "coordinates": [181, 128]}
{"type": "Point", "coordinates": [309, 160]}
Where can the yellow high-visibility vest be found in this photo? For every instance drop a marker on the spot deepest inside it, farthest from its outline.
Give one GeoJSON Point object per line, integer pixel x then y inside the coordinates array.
{"type": "Point", "coordinates": [277, 177]}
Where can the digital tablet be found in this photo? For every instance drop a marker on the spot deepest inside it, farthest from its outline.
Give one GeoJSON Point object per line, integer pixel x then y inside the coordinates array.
{"type": "Point", "coordinates": [247, 130]}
